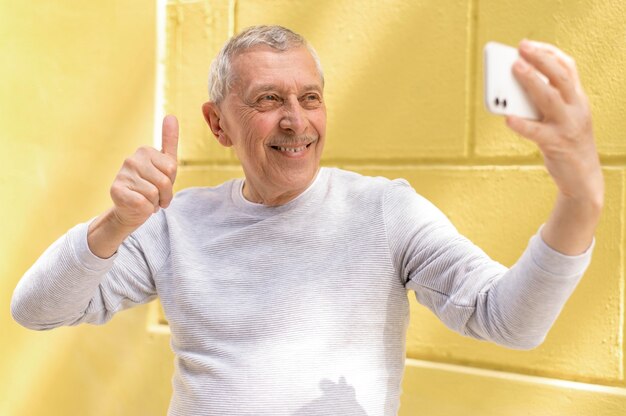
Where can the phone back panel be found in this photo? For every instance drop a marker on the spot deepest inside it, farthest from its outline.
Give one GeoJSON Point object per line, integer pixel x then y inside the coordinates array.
{"type": "Point", "coordinates": [503, 93]}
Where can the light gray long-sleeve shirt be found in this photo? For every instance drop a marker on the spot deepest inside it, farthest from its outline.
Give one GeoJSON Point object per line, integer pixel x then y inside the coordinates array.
{"type": "Point", "coordinates": [299, 309]}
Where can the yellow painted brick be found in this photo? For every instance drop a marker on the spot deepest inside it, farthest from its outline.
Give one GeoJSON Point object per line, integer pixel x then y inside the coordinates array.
{"type": "Point", "coordinates": [444, 390]}
{"type": "Point", "coordinates": [499, 209]}
{"type": "Point", "coordinates": [196, 31]}
{"type": "Point", "coordinates": [77, 97]}
{"type": "Point", "coordinates": [593, 32]}
{"type": "Point", "coordinates": [395, 72]}
{"type": "Point", "coordinates": [189, 176]}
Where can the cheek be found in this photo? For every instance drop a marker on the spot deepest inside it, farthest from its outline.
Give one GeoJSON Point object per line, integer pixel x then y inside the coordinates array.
{"type": "Point", "coordinates": [259, 128]}
{"type": "Point", "coordinates": [255, 129]}
{"type": "Point", "coordinates": [246, 119]}
{"type": "Point", "coordinates": [318, 121]}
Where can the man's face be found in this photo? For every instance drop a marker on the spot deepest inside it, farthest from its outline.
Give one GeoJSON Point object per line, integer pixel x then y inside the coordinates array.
{"type": "Point", "coordinates": [275, 118]}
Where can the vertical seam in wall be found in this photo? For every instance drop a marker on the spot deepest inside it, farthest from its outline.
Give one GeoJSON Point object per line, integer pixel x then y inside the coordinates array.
{"type": "Point", "coordinates": [470, 86]}
{"type": "Point", "coordinates": [159, 81]}
{"type": "Point", "coordinates": [179, 55]}
{"type": "Point", "coordinates": [232, 9]}
{"type": "Point", "coordinates": [152, 324]}
{"type": "Point", "coordinates": [621, 318]}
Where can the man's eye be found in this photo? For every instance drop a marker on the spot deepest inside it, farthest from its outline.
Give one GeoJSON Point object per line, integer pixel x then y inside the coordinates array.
{"type": "Point", "coordinates": [267, 101]}
{"type": "Point", "coordinates": [311, 101]}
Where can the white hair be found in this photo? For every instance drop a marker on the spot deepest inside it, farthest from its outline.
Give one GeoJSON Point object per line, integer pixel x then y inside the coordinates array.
{"type": "Point", "coordinates": [276, 37]}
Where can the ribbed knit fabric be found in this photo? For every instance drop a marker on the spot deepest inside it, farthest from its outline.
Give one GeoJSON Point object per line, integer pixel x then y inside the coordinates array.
{"type": "Point", "coordinates": [299, 309]}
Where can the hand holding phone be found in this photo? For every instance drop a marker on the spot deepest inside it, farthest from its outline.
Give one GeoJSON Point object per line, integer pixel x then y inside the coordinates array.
{"type": "Point", "coordinates": [503, 93]}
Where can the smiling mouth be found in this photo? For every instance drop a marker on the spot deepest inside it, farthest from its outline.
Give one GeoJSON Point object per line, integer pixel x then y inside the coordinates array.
{"type": "Point", "coordinates": [292, 149]}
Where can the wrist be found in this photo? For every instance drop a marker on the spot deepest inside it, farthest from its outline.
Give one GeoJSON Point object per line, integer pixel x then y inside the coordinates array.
{"type": "Point", "coordinates": [588, 206]}
{"type": "Point", "coordinates": [106, 233]}
{"type": "Point", "coordinates": [588, 198]}
{"type": "Point", "coordinates": [572, 224]}
{"type": "Point", "coordinates": [582, 186]}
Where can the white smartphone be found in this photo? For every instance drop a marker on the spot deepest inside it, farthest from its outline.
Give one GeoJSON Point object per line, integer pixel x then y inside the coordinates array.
{"type": "Point", "coordinates": [503, 93]}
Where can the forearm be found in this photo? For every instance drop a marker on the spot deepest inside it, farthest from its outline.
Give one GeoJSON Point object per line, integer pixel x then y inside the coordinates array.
{"type": "Point", "coordinates": [519, 309]}
{"type": "Point", "coordinates": [58, 289]}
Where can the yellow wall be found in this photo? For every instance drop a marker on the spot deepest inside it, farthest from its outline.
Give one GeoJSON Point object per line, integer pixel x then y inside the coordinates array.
{"type": "Point", "coordinates": [76, 97]}
{"type": "Point", "coordinates": [403, 82]}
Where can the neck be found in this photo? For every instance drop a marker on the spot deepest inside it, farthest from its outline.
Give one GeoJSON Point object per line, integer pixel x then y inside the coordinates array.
{"type": "Point", "coordinates": [269, 197]}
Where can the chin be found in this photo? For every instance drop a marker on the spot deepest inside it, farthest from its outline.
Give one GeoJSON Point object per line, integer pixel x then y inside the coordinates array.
{"type": "Point", "coordinates": [300, 179]}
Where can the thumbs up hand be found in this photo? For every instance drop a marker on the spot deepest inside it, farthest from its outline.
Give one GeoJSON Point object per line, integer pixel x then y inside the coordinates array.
{"type": "Point", "coordinates": [169, 138]}
{"type": "Point", "coordinates": [145, 182]}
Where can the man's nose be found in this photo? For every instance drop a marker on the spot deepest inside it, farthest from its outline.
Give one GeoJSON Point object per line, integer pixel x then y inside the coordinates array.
{"type": "Point", "coordinates": [294, 117]}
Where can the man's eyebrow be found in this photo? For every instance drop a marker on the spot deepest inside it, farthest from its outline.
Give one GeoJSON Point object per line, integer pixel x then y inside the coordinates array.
{"type": "Point", "coordinates": [255, 89]}
{"type": "Point", "coordinates": [314, 87]}
{"type": "Point", "coordinates": [263, 88]}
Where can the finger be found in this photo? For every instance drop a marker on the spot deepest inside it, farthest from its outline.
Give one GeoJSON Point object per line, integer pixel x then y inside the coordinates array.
{"type": "Point", "coordinates": [554, 64]}
{"type": "Point", "coordinates": [165, 164]}
{"type": "Point", "coordinates": [547, 99]}
{"type": "Point", "coordinates": [169, 143]}
{"type": "Point", "coordinates": [536, 131]}
{"type": "Point", "coordinates": [563, 58]}
{"type": "Point", "coordinates": [124, 196]}
{"type": "Point", "coordinates": [146, 189]}
{"type": "Point", "coordinates": [160, 181]}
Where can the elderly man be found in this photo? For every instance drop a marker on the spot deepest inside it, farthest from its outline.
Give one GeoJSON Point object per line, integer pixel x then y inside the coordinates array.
{"type": "Point", "coordinates": [286, 291]}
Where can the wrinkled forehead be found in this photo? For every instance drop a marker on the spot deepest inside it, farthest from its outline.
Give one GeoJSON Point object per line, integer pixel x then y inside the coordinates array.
{"type": "Point", "coordinates": [263, 65]}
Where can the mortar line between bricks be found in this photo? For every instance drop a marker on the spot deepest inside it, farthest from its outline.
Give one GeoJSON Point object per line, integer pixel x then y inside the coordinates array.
{"type": "Point", "coordinates": [622, 333]}
{"type": "Point", "coordinates": [470, 82]}
{"type": "Point", "coordinates": [232, 11]}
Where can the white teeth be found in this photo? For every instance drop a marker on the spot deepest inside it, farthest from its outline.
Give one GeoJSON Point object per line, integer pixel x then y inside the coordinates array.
{"type": "Point", "coordinates": [291, 149]}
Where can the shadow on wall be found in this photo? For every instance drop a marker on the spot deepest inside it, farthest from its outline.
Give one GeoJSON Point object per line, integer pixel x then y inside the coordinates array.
{"type": "Point", "coordinates": [339, 398]}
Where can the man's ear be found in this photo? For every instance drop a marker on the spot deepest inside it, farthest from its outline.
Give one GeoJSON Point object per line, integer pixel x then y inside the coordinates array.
{"type": "Point", "coordinates": [213, 117]}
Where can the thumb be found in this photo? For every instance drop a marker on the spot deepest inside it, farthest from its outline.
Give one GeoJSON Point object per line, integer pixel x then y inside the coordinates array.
{"type": "Point", "coordinates": [169, 141]}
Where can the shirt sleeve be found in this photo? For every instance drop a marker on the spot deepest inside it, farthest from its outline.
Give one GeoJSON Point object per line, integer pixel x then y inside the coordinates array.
{"type": "Point", "coordinates": [469, 292]}
{"type": "Point", "coordinates": [69, 284]}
